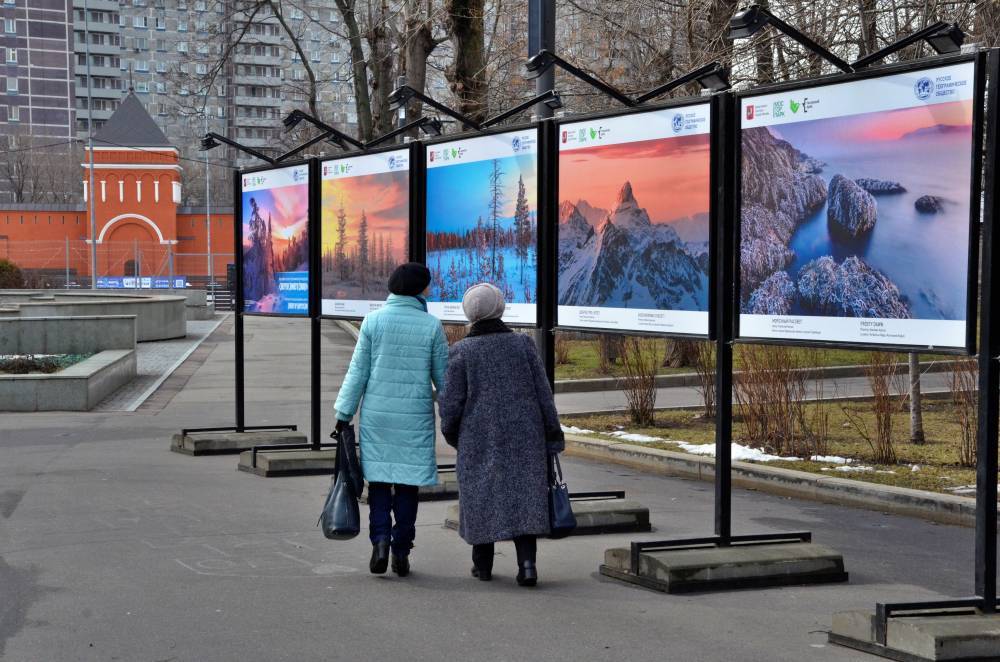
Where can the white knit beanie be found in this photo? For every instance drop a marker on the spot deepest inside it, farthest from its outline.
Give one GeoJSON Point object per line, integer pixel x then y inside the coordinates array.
{"type": "Point", "coordinates": [483, 302]}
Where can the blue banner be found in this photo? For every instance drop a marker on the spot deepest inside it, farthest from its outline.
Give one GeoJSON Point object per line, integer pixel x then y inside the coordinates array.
{"type": "Point", "coordinates": [293, 292]}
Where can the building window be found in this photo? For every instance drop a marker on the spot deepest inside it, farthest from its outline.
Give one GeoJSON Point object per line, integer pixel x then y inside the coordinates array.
{"type": "Point", "coordinates": [200, 69]}
{"type": "Point", "coordinates": [199, 5]}
{"type": "Point", "coordinates": [142, 86]}
{"type": "Point", "coordinates": [14, 113]}
{"type": "Point", "coordinates": [9, 26]}
{"type": "Point", "coordinates": [182, 47]}
{"type": "Point", "coordinates": [141, 65]}
{"type": "Point", "coordinates": [12, 56]}
{"type": "Point", "coordinates": [182, 26]}
{"type": "Point", "coordinates": [161, 45]}
{"type": "Point", "coordinates": [11, 85]}
{"type": "Point", "coordinates": [161, 23]}
{"type": "Point", "coordinates": [161, 67]}
{"type": "Point", "coordinates": [141, 44]}
{"type": "Point", "coordinates": [161, 88]}
{"type": "Point", "coordinates": [141, 22]}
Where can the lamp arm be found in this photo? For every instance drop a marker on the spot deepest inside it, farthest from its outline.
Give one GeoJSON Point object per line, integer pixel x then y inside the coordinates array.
{"type": "Point", "coordinates": [243, 148]}
{"type": "Point", "coordinates": [309, 143]}
{"type": "Point", "coordinates": [919, 35]}
{"type": "Point", "coordinates": [472, 124]}
{"type": "Point", "coordinates": [677, 82]}
{"type": "Point", "coordinates": [510, 112]}
{"type": "Point", "coordinates": [789, 31]}
{"type": "Point", "coordinates": [420, 121]}
{"type": "Point", "coordinates": [593, 81]}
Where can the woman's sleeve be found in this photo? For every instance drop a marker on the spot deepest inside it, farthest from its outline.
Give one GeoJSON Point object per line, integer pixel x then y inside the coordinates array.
{"type": "Point", "coordinates": [439, 359]}
{"type": "Point", "coordinates": [550, 417]}
{"type": "Point", "coordinates": [356, 380]}
{"type": "Point", "coordinates": [451, 399]}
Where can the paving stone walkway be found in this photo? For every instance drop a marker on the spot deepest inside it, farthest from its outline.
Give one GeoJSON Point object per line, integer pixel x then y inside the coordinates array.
{"type": "Point", "coordinates": [155, 361]}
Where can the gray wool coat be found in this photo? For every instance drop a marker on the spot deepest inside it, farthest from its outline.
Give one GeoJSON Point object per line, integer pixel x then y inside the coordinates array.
{"type": "Point", "coordinates": [497, 409]}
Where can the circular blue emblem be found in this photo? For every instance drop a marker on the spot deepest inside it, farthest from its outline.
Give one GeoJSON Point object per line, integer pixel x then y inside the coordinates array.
{"type": "Point", "coordinates": [923, 88]}
{"type": "Point", "coordinates": [392, 161]}
{"type": "Point", "coordinates": [516, 143]}
{"type": "Point", "coordinates": [677, 123]}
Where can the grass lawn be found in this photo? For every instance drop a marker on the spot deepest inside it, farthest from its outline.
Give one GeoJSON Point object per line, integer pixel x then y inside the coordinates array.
{"type": "Point", "coordinates": [937, 459]}
{"type": "Point", "coordinates": [583, 360]}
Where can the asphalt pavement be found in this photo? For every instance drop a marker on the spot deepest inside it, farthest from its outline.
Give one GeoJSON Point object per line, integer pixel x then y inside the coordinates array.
{"type": "Point", "coordinates": [114, 548]}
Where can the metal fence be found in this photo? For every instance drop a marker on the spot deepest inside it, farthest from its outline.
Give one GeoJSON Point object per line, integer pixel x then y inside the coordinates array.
{"type": "Point", "coordinates": [120, 264]}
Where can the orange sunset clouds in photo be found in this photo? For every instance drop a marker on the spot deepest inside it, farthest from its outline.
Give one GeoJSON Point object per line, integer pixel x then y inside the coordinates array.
{"type": "Point", "coordinates": [384, 198]}
{"type": "Point", "coordinates": [669, 176]}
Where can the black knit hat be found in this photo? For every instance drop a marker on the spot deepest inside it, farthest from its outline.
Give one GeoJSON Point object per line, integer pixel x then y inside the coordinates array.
{"type": "Point", "coordinates": [409, 279]}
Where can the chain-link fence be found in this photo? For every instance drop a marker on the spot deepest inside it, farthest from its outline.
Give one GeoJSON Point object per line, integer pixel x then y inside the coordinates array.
{"type": "Point", "coordinates": [120, 265]}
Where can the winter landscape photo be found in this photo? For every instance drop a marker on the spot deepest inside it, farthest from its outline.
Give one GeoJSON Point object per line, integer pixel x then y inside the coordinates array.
{"type": "Point", "coordinates": [276, 241]}
{"type": "Point", "coordinates": [365, 231]}
{"type": "Point", "coordinates": [862, 215]}
{"type": "Point", "coordinates": [482, 223]}
{"type": "Point", "coordinates": [634, 223]}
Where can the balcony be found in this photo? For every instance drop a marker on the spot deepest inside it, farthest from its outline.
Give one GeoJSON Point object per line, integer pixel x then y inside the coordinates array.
{"type": "Point", "coordinates": [97, 49]}
{"type": "Point", "coordinates": [109, 72]}
{"type": "Point", "coordinates": [256, 101]}
{"type": "Point", "coordinates": [98, 5]}
{"type": "Point", "coordinates": [103, 28]}
{"type": "Point", "coordinates": [99, 93]}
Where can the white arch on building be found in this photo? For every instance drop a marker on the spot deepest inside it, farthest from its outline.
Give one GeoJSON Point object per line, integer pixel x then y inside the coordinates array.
{"type": "Point", "coordinates": [122, 217]}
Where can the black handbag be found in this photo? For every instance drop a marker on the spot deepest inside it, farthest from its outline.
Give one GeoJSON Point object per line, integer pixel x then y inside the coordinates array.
{"type": "Point", "coordinates": [562, 521]}
{"type": "Point", "coordinates": [341, 516]}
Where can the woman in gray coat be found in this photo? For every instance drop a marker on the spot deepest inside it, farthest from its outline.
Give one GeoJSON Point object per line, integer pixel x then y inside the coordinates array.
{"type": "Point", "coordinates": [497, 410]}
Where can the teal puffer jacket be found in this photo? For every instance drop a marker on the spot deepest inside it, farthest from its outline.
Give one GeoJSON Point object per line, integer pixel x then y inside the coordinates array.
{"type": "Point", "coordinates": [401, 349]}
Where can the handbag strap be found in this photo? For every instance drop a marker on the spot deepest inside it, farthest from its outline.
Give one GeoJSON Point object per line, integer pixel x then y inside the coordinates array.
{"type": "Point", "coordinates": [555, 469]}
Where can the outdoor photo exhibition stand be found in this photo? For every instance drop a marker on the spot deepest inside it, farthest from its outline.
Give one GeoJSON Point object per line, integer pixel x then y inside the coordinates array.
{"type": "Point", "coordinates": [912, 631]}
{"type": "Point", "coordinates": [748, 560]}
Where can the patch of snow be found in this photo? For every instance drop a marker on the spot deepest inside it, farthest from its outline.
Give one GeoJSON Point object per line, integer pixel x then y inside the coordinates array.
{"type": "Point", "coordinates": [740, 453]}
{"type": "Point", "coordinates": [831, 459]}
{"type": "Point", "coordinates": [572, 429]}
{"type": "Point", "coordinates": [914, 468]}
{"type": "Point", "coordinates": [632, 436]}
{"type": "Point", "coordinates": [858, 469]}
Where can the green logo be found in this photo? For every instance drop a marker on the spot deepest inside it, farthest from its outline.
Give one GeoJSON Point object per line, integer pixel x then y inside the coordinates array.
{"type": "Point", "coordinates": [593, 134]}
{"type": "Point", "coordinates": [454, 153]}
{"type": "Point", "coordinates": [794, 106]}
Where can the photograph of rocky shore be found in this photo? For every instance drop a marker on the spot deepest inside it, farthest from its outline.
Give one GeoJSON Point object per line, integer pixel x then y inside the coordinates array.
{"type": "Point", "coordinates": [864, 215]}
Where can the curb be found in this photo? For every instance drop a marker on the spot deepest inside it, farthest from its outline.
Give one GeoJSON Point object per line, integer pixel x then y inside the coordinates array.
{"type": "Point", "coordinates": [691, 378]}
{"type": "Point", "coordinates": [941, 508]}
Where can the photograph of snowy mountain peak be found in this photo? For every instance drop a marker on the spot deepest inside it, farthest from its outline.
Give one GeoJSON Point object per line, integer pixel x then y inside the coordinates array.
{"type": "Point", "coordinates": [855, 212]}
{"type": "Point", "coordinates": [482, 222]}
{"type": "Point", "coordinates": [634, 222]}
{"type": "Point", "coordinates": [364, 230]}
{"type": "Point", "coordinates": [275, 241]}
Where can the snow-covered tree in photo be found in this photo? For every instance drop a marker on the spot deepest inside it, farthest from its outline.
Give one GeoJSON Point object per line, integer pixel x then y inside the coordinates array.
{"type": "Point", "coordinates": [340, 250]}
{"type": "Point", "coordinates": [522, 224]}
{"type": "Point", "coordinates": [363, 253]}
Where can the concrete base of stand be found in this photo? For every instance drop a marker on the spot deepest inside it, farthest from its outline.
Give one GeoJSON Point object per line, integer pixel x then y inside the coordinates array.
{"type": "Point", "coordinates": [915, 638]}
{"type": "Point", "coordinates": [592, 517]}
{"type": "Point", "coordinates": [724, 568]}
{"type": "Point", "coordinates": [445, 490]}
{"type": "Point", "coordinates": [220, 443]}
{"type": "Point", "coordinates": [290, 463]}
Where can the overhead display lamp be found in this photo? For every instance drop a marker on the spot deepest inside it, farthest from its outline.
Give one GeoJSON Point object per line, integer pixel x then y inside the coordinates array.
{"type": "Point", "coordinates": [712, 77]}
{"type": "Point", "coordinates": [544, 60]}
{"type": "Point", "coordinates": [429, 125]}
{"type": "Point", "coordinates": [306, 145]}
{"type": "Point", "coordinates": [943, 37]}
{"type": "Point", "coordinates": [550, 98]}
{"type": "Point", "coordinates": [213, 140]}
{"type": "Point", "coordinates": [748, 22]}
{"type": "Point", "coordinates": [335, 136]}
{"type": "Point", "coordinates": [402, 95]}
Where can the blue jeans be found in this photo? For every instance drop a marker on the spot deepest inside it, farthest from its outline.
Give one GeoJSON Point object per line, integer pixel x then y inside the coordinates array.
{"type": "Point", "coordinates": [386, 500]}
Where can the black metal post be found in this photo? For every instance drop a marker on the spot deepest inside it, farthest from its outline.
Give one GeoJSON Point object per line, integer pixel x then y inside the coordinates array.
{"type": "Point", "coordinates": [315, 304]}
{"type": "Point", "coordinates": [989, 376]}
{"type": "Point", "coordinates": [723, 187]}
{"type": "Point", "coordinates": [542, 36]}
{"type": "Point", "coordinates": [240, 304]}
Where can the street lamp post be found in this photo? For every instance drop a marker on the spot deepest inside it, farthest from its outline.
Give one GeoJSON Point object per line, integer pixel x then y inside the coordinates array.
{"type": "Point", "coordinates": [90, 140]}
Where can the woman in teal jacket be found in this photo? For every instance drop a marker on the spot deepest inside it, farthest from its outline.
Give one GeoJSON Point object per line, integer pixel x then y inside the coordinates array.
{"type": "Point", "coordinates": [401, 350]}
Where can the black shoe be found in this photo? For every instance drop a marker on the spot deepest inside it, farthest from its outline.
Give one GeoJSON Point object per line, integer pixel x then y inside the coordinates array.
{"type": "Point", "coordinates": [380, 558]}
{"type": "Point", "coordinates": [527, 574]}
{"type": "Point", "coordinates": [482, 575]}
{"type": "Point", "coordinates": [401, 565]}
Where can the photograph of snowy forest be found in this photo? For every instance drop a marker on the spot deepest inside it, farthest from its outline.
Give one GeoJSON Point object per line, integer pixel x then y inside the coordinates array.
{"type": "Point", "coordinates": [481, 227]}
{"type": "Point", "coordinates": [863, 215]}
{"type": "Point", "coordinates": [276, 250]}
{"type": "Point", "coordinates": [634, 225]}
{"type": "Point", "coordinates": [365, 233]}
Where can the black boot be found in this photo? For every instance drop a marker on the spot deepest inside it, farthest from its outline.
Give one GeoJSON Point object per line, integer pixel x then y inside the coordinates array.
{"type": "Point", "coordinates": [482, 562]}
{"type": "Point", "coordinates": [401, 565]}
{"type": "Point", "coordinates": [380, 558]}
{"type": "Point", "coordinates": [527, 573]}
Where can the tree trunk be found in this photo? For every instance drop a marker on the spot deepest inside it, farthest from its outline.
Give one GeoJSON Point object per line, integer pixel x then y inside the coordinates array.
{"type": "Point", "coordinates": [680, 354]}
{"type": "Point", "coordinates": [764, 51]}
{"type": "Point", "coordinates": [987, 23]}
{"type": "Point", "coordinates": [380, 66]}
{"type": "Point", "coordinates": [467, 75]}
{"type": "Point", "coordinates": [916, 413]}
{"type": "Point", "coordinates": [359, 68]}
{"type": "Point", "coordinates": [418, 44]}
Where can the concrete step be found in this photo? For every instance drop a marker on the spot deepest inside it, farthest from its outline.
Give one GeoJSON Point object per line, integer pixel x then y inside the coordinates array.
{"type": "Point", "coordinates": [592, 517]}
{"type": "Point", "coordinates": [724, 568]}
{"type": "Point", "coordinates": [915, 638]}
{"type": "Point", "coordinates": [219, 443]}
{"type": "Point", "coordinates": [289, 463]}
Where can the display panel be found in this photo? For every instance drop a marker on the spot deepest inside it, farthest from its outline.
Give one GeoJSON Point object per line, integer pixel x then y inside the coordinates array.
{"type": "Point", "coordinates": [275, 241]}
{"type": "Point", "coordinates": [855, 210]}
{"type": "Point", "coordinates": [481, 221]}
{"type": "Point", "coordinates": [365, 227]}
{"type": "Point", "coordinates": [634, 221]}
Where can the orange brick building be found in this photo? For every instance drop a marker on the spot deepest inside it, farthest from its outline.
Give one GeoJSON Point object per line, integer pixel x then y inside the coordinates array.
{"type": "Point", "coordinates": [140, 228]}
